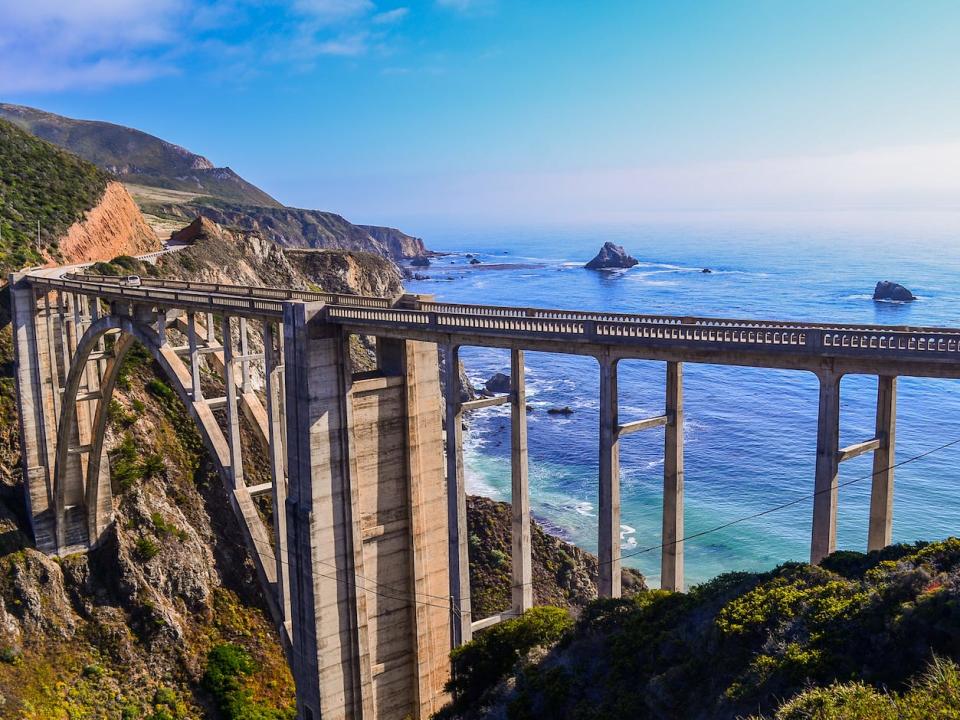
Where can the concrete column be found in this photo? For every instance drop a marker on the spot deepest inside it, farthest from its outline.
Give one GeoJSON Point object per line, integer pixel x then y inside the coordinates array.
{"type": "Point", "coordinates": [233, 410]}
{"type": "Point", "coordinates": [823, 539]}
{"type": "Point", "coordinates": [428, 530]}
{"type": "Point", "coordinates": [323, 583]}
{"type": "Point", "coordinates": [461, 616]}
{"type": "Point", "coordinates": [36, 412]}
{"type": "Point", "coordinates": [162, 326]}
{"type": "Point", "coordinates": [272, 372]}
{"type": "Point", "coordinates": [196, 391]}
{"type": "Point", "coordinates": [881, 494]}
{"type": "Point", "coordinates": [671, 559]}
{"type": "Point", "coordinates": [522, 560]}
{"type": "Point", "coordinates": [609, 540]}
{"type": "Point", "coordinates": [245, 354]}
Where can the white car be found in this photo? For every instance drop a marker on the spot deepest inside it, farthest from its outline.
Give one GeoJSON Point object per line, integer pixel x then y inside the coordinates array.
{"type": "Point", "coordinates": [131, 281]}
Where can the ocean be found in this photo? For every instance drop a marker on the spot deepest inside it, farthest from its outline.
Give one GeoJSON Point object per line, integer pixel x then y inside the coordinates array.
{"type": "Point", "coordinates": [750, 433]}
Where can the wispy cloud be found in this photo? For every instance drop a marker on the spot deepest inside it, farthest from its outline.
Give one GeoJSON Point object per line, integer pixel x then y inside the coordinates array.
{"type": "Point", "coordinates": [390, 17]}
{"type": "Point", "coordinates": [50, 45]}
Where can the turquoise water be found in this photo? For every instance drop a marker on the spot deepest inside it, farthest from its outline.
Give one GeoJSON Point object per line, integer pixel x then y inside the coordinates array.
{"type": "Point", "coordinates": [750, 433]}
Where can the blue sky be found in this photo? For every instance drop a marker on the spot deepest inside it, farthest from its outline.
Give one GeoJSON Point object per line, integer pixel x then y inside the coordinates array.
{"type": "Point", "coordinates": [492, 110]}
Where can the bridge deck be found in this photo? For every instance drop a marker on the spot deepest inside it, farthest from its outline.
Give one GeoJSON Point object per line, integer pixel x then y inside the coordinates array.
{"type": "Point", "coordinates": [875, 349]}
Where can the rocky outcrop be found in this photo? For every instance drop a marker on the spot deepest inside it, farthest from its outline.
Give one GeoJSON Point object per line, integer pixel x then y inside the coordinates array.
{"type": "Point", "coordinates": [198, 229]}
{"type": "Point", "coordinates": [611, 257]}
{"type": "Point", "coordinates": [563, 574]}
{"type": "Point", "coordinates": [498, 383]}
{"type": "Point", "coordinates": [358, 273]}
{"type": "Point", "coordinates": [887, 290]}
{"type": "Point", "coordinates": [113, 227]}
{"type": "Point", "coordinates": [298, 228]}
{"type": "Point", "coordinates": [398, 243]}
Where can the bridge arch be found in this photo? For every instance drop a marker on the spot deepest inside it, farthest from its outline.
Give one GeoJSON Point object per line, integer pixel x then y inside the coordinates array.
{"type": "Point", "coordinates": [96, 480]}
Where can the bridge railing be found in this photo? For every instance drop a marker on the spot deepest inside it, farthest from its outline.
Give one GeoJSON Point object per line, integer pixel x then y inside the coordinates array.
{"type": "Point", "coordinates": [242, 290]}
{"type": "Point", "coordinates": [788, 337]}
{"type": "Point", "coordinates": [188, 299]}
{"type": "Point", "coordinates": [601, 328]}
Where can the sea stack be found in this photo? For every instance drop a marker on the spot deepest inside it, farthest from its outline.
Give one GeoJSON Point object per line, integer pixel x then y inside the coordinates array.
{"type": "Point", "coordinates": [611, 257]}
{"type": "Point", "coordinates": [887, 290]}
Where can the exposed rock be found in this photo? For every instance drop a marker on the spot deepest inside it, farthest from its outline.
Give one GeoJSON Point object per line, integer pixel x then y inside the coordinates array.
{"type": "Point", "coordinates": [498, 383]}
{"type": "Point", "coordinates": [565, 410]}
{"type": "Point", "coordinates": [420, 262]}
{"type": "Point", "coordinates": [340, 271]}
{"type": "Point", "coordinates": [887, 290]}
{"type": "Point", "coordinates": [706, 271]}
{"type": "Point", "coordinates": [474, 261]}
{"type": "Point", "coordinates": [113, 227]}
{"type": "Point", "coordinates": [563, 575]}
{"type": "Point", "coordinates": [398, 243]}
{"type": "Point", "coordinates": [611, 256]}
{"type": "Point", "coordinates": [200, 228]}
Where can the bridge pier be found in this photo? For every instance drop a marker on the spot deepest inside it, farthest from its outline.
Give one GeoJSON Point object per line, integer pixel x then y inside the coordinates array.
{"type": "Point", "coordinates": [609, 521]}
{"type": "Point", "coordinates": [880, 533]}
{"type": "Point", "coordinates": [522, 553]}
{"type": "Point", "coordinates": [671, 558]}
{"type": "Point", "coordinates": [366, 537]}
{"type": "Point", "coordinates": [823, 536]}
{"type": "Point", "coordinates": [461, 621]}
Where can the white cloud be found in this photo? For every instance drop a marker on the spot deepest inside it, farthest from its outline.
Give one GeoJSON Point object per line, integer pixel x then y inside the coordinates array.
{"type": "Point", "coordinates": [332, 11]}
{"type": "Point", "coordinates": [390, 16]}
{"type": "Point", "coordinates": [347, 45]}
{"type": "Point", "coordinates": [52, 45]}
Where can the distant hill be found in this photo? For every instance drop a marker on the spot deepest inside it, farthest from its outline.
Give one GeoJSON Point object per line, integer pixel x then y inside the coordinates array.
{"type": "Point", "coordinates": [137, 157]}
{"type": "Point", "coordinates": [40, 183]}
{"type": "Point", "coordinates": [173, 186]}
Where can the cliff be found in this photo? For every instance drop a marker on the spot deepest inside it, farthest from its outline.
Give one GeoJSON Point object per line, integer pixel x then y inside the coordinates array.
{"type": "Point", "coordinates": [398, 243]}
{"type": "Point", "coordinates": [114, 226]}
{"type": "Point", "coordinates": [136, 156]}
{"type": "Point", "coordinates": [563, 574]}
{"type": "Point", "coordinates": [296, 227]}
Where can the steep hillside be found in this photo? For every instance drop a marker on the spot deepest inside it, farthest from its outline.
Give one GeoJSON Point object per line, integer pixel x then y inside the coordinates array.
{"type": "Point", "coordinates": [845, 640]}
{"type": "Point", "coordinates": [295, 227]}
{"type": "Point", "coordinates": [40, 183]}
{"type": "Point", "coordinates": [137, 157]}
{"type": "Point", "coordinates": [563, 574]}
{"type": "Point", "coordinates": [173, 185]}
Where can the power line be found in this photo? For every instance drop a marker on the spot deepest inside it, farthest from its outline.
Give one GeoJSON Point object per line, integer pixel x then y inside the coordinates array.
{"type": "Point", "coordinates": [412, 600]}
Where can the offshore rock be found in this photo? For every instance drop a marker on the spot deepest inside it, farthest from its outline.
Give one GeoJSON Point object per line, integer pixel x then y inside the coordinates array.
{"type": "Point", "coordinates": [887, 290]}
{"type": "Point", "coordinates": [611, 257]}
{"type": "Point", "coordinates": [499, 383]}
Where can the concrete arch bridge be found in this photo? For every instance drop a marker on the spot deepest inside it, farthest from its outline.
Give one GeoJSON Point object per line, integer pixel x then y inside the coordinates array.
{"type": "Point", "coordinates": [365, 568]}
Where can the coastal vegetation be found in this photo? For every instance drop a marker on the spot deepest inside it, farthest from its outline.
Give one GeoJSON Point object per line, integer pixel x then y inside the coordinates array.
{"type": "Point", "coordinates": [861, 636]}
{"type": "Point", "coordinates": [40, 183]}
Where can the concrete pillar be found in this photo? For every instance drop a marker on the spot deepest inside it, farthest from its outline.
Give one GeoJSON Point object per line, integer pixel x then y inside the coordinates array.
{"type": "Point", "coordinates": [609, 540]}
{"type": "Point", "coordinates": [162, 326]}
{"type": "Point", "coordinates": [274, 390]}
{"type": "Point", "coordinates": [245, 355]}
{"type": "Point", "coordinates": [233, 409]}
{"type": "Point", "coordinates": [458, 536]}
{"type": "Point", "coordinates": [823, 539]}
{"type": "Point", "coordinates": [36, 412]}
{"type": "Point", "coordinates": [671, 559]}
{"type": "Point", "coordinates": [881, 494]}
{"type": "Point", "coordinates": [196, 391]}
{"type": "Point", "coordinates": [430, 577]}
{"type": "Point", "coordinates": [323, 584]}
{"type": "Point", "coordinates": [522, 557]}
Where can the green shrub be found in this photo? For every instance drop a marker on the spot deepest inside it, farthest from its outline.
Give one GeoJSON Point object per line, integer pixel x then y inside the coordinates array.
{"type": "Point", "coordinates": [228, 665]}
{"type": "Point", "coordinates": [487, 659]}
{"type": "Point", "coordinates": [159, 389]}
{"type": "Point", "coordinates": [147, 549]}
